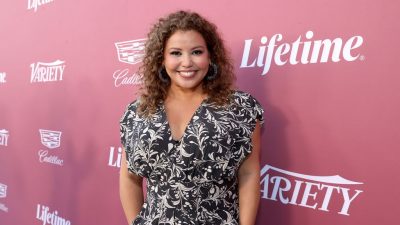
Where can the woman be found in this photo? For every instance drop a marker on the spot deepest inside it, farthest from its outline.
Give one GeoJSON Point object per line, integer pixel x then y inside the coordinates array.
{"type": "Point", "coordinates": [194, 139]}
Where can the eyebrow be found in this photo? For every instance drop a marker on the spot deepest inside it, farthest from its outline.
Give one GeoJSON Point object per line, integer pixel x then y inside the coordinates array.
{"type": "Point", "coordinates": [174, 48]}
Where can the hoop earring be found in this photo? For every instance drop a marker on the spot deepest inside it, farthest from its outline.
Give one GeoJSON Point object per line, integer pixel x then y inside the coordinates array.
{"type": "Point", "coordinates": [162, 74]}
{"type": "Point", "coordinates": [212, 72]}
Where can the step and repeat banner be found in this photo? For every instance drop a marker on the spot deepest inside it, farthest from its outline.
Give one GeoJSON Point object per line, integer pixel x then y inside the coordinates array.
{"type": "Point", "coordinates": [326, 73]}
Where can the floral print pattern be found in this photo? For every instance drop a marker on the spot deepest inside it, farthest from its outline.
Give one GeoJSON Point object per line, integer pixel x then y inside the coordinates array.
{"type": "Point", "coordinates": [193, 180]}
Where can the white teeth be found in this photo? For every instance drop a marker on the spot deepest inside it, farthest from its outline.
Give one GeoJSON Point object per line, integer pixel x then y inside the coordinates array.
{"type": "Point", "coordinates": [187, 74]}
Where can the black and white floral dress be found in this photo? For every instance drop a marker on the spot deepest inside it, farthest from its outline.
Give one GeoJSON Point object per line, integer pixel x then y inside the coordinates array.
{"type": "Point", "coordinates": [194, 180]}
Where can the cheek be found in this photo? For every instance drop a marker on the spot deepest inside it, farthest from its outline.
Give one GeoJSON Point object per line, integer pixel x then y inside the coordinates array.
{"type": "Point", "coordinates": [170, 62]}
{"type": "Point", "coordinates": [203, 62]}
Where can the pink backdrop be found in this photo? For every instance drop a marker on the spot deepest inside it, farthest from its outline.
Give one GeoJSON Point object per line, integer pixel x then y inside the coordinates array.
{"type": "Point", "coordinates": [62, 92]}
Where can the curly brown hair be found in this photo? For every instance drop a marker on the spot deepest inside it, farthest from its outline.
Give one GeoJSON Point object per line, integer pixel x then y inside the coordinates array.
{"type": "Point", "coordinates": [154, 90]}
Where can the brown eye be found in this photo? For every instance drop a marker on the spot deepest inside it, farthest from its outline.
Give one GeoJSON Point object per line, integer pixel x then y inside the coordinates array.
{"type": "Point", "coordinates": [197, 52]}
{"type": "Point", "coordinates": [175, 53]}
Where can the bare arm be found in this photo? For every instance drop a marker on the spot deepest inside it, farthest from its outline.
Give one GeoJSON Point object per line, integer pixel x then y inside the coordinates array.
{"type": "Point", "coordinates": [249, 182]}
{"type": "Point", "coordinates": [130, 191]}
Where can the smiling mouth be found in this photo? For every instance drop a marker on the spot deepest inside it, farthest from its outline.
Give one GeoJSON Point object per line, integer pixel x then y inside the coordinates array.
{"type": "Point", "coordinates": [187, 73]}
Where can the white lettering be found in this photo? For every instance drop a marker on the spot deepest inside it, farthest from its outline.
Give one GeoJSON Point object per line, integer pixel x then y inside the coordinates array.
{"type": "Point", "coordinates": [3, 207]}
{"type": "Point", "coordinates": [307, 193]}
{"type": "Point", "coordinates": [4, 137]}
{"type": "Point", "coordinates": [277, 188]}
{"type": "Point", "coordinates": [347, 200]}
{"type": "Point", "coordinates": [121, 78]}
{"type": "Point", "coordinates": [246, 52]}
{"type": "Point", "coordinates": [332, 50]}
{"type": "Point", "coordinates": [271, 46]}
{"type": "Point", "coordinates": [117, 162]}
{"type": "Point", "coordinates": [3, 77]}
{"type": "Point", "coordinates": [313, 193]}
{"type": "Point", "coordinates": [43, 213]}
{"type": "Point", "coordinates": [306, 48]}
{"type": "Point", "coordinates": [349, 46]}
{"type": "Point", "coordinates": [33, 4]}
{"type": "Point", "coordinates": [49, 159]}
{"type": "Point", "coordinates": [296, 191]}
{"type": "Point", "coordinates": [293, 53]}
{"type": "Point", "coordinates": [328, 195]}
{"type": "Point", "coordinates": [326, 50]}
{"type": "Point", "coordinates": [280, 51]}
{"type": "Point", "coordinates": [47, 72]}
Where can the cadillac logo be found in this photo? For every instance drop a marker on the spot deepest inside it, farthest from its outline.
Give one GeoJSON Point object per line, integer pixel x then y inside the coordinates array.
{"type": "Point", "coordinates": [50, 139]}
{"type": "Point", "coordinates": [3, 190]}
{"type": "Point", "coordinates": [131, 52]}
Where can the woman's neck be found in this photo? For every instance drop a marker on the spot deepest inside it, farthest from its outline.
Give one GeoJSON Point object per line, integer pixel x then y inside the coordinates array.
{"type": "Point", "coordinates": [181, 94]}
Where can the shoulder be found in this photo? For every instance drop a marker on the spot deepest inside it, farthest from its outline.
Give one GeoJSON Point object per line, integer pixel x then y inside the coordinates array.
{"type": "Point", "coordinates": [239, 93]}
{"type": "Point", "coordinates": [133, 105]}
{"type": "Point", "coordinates": [130, 111]}
{"type": "Point", "coordinates": [247, 102]}
{"type": "Point", "coordinates": [244, 98]}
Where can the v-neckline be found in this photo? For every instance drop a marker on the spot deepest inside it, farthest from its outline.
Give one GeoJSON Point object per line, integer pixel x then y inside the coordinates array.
{"type": "Point", "coordinates": [171, 137]}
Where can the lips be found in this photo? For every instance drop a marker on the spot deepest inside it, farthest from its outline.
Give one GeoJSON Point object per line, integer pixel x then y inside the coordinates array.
{"type": "Point", "coordinates": [187, 73]}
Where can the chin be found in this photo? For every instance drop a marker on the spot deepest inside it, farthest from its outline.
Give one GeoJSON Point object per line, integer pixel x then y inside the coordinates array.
{"type": "Point", "coordinates": [189, 85]}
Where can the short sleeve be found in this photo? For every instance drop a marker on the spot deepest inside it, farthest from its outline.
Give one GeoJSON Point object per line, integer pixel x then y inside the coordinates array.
{"type": "Point", "coordinates": [248, 112]}
{"type": "Point", "coordinates": [257, 112]}
{"type": "Point", "coordinates": [127, 125]}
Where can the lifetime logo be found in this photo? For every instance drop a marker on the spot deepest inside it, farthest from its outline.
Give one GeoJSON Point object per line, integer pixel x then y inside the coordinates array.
{"type": "Point", "coordinates": [315, 192]}
{"type": "Point", "coordinates": [44, 214]}
{"type": "Point", "coordinates": [33, 4]}
{"type": "Point", "coordinates": [114, 159]}
{"type": "Point", "coordinates": [317, 51]}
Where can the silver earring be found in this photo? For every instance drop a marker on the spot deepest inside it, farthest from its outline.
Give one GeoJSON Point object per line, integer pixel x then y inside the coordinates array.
{"type": "Point", "coordinates": [162, 74]}
{"type": "Point", "coordinates": [212, 72]}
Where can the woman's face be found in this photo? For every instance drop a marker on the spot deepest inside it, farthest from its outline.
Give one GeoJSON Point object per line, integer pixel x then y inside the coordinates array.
{"type": "Point", "coordinates": [186, 59]}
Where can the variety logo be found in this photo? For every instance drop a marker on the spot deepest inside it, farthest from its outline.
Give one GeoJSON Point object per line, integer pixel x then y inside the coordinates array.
{"type": "Point", "coordinates": [114, 159]}
{"type": "Point", "coordinates": [315, 192]}
{"type": "Point", "coordinates": [47, 72]}
{"type": "Point", "coordinates": [50, 139]}
{"type": "Point", "coordinates": [2, 77]}
{"type": "Point", "coordinates": [3, 194]}
{"type": "Point", "coordinates": [3, 137]}
{"type": "Point", "coordinates": [300, 51]}
{"type": "Point", "coordinates": [130, 52]}
{"type": "Point", "coordinates": [34, 4]}
{"type": "Point", "coordinates": [44, 214]}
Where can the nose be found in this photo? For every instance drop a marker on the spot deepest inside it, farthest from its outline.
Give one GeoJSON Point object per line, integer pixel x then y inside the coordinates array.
{"type": "Point", "coordinates": [186, 60]}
